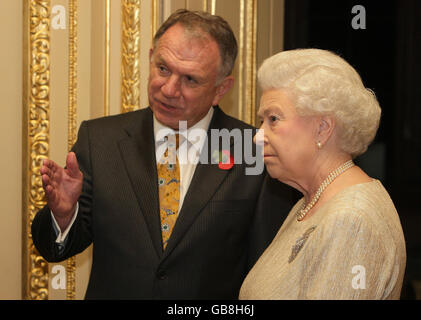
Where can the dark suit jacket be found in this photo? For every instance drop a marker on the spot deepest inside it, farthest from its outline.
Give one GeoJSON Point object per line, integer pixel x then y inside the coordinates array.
{"type": "Point", "coordinates": [226, 221]}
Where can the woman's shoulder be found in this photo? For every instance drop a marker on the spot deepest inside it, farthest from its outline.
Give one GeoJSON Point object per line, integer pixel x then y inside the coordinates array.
{"type": "Point", "coordinates": [364, 200]}
{"type": "Point", "coordinates": [366, 208]}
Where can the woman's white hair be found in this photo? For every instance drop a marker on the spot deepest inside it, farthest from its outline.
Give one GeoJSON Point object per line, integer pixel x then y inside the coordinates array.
{"type": "Point", "coordinates": [322, 83]}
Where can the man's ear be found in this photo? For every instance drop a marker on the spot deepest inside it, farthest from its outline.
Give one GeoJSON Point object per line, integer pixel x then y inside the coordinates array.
{"type": "Point", "coordinates": [150, 54]}
{"type": "Point", "coordinates": [222, 89]}
{"type": "Point", "coordinates": [325, 128]}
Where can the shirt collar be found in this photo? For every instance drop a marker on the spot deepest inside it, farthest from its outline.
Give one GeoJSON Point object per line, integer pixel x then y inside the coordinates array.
{"type": "Point", "coordinates": [203, 124]}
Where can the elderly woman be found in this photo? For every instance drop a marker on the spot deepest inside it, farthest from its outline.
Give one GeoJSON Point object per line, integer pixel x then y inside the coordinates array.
{"type": "Point", "coordinates": [343, 239]}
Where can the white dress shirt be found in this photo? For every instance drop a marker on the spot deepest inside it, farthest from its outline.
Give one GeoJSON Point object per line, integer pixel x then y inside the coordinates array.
{"type": "Point", "coordinates": [188, 153]}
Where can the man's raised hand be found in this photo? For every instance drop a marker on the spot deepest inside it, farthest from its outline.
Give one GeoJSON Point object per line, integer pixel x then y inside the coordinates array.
{"type": "Point", "coordinates": [62, 187]}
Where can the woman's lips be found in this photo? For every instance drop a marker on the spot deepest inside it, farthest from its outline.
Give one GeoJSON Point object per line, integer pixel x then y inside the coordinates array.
{"type": "Point", "coordinates": [268, 156]}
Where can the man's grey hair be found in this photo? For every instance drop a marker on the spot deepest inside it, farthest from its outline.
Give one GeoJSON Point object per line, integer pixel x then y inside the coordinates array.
{"type": "Point", "coordinates": [214, 26]}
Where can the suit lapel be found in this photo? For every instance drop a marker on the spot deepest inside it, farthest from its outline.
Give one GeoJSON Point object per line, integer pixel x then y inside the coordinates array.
{"type": "Point", "coordinates": [138, 153]}
{"type": "Point", "coordinates": [205, 182]}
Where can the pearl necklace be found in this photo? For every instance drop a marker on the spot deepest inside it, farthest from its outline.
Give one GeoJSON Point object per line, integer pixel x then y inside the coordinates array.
{"type": "Point", "coordinates": [302, 212]}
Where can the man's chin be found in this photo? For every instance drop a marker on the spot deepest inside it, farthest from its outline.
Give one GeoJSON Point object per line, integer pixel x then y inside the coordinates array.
{"type": "Point", "coordinates": [167, 120]}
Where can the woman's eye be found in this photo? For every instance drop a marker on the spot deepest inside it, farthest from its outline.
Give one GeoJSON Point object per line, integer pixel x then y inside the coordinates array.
{"type": "Point", "coordinates": [273, 118]}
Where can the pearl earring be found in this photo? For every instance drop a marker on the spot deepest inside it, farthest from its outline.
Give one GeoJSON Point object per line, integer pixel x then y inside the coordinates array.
{"type": "Point", "coordinates": [319, 144]}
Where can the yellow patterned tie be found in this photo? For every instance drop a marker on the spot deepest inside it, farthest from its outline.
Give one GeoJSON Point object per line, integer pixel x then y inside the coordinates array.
{"type": "Point", "coordinates": [169, 188]}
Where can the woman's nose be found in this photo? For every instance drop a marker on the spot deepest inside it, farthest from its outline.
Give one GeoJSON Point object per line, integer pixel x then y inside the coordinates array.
{"type": "Point", "coordinates": [259, 138]}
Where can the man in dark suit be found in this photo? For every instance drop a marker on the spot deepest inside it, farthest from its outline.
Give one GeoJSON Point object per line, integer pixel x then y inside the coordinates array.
{"type": "Point", "coordinates": [109, 193]}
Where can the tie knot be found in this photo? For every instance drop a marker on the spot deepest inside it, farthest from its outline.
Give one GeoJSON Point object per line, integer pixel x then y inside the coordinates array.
{"type": "Point", "coordinates": [174, 141]}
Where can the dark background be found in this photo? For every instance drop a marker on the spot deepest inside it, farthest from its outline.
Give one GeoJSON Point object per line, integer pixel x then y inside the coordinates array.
{"type": "Point", "coordinates": [387, 54]}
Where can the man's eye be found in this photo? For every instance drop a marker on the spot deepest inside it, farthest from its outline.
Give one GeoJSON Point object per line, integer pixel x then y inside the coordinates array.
{"type": "Point", "coordinates": [273, 118]}
{"type": "Point", "coordinates": [191, 79]}
{"type": "Point", "coordinates": [162, 69]}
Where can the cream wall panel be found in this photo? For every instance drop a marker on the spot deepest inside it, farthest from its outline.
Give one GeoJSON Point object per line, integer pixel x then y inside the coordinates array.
{"type": "Point", "coordinates": [233, 12]}
{"type": "Point", "coordinates": [145, 45]}
{"type": "Point", "coordinates": [115, 57]}
{"type": "Point", "coordinates": [11, 145]}
{"type": "Point", "coordinates": [83, 271]}
{"type": "Point", "coordinates": [97, 57]}
{"type": "Point", "coordinates": [176, 4]}
{"type": "Point", "coordinates": [59, 89]}
{"type": "Point", "coordinates": [167, 8]}
{"type": "Point", "coordinates": [271, 35]}
{"type": "Point", "coordinates": [98, 61]}
{"type": "Point", "coordinates": [84, 61]}
{"type": "Point", "coordinates": [199, 5]}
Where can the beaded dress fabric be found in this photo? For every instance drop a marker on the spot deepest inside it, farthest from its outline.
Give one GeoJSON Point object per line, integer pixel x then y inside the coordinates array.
{"type": "Point", "coordinates": [351, 248]}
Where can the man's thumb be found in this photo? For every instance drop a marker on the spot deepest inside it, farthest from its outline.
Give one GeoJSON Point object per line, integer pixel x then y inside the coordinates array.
{"type": "Point", "coordinates": [71, 164]}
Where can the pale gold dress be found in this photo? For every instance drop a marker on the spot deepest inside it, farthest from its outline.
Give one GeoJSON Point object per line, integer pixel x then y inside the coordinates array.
{"type": "Point", "coordinates": [351, 248]}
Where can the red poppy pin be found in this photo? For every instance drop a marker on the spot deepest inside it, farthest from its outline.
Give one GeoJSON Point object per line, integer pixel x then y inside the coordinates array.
{"type": "Point", "coordinates": [226, 160]}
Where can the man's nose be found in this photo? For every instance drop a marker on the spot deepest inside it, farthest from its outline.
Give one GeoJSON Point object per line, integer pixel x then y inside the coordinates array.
{"type": "Point", "coordinates": [171, 87]}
